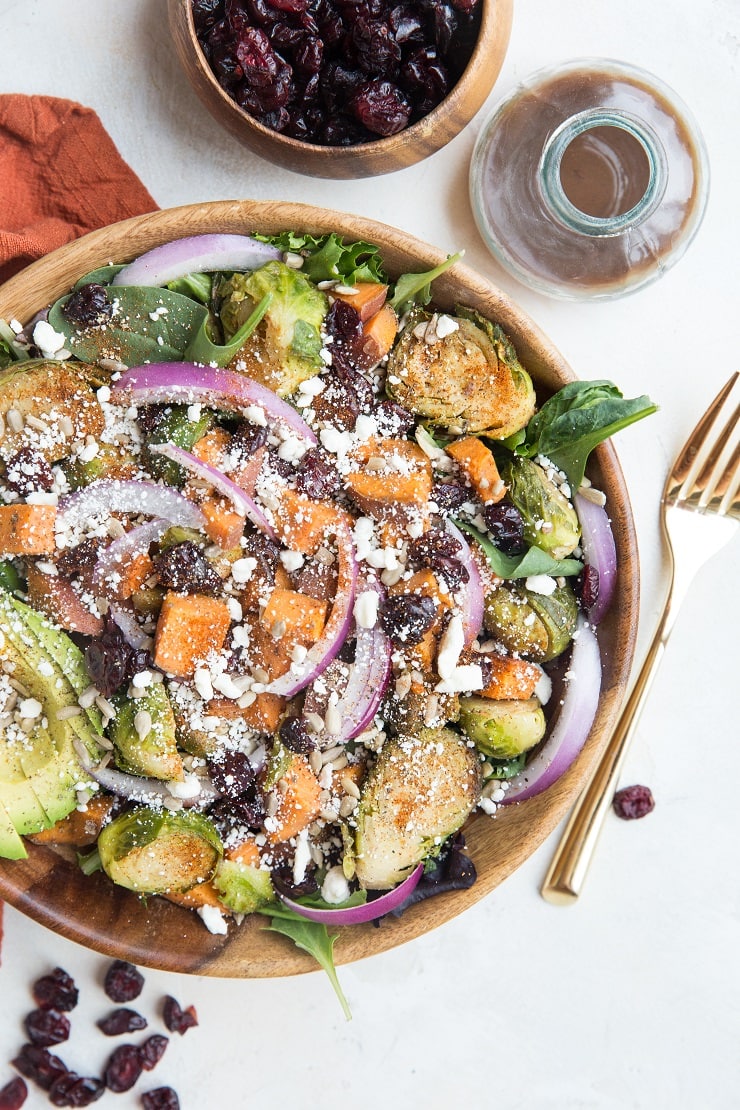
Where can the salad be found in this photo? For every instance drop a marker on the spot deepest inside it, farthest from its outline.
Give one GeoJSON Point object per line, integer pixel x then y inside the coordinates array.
{"type": "Point", "coordinates": [289, 560]}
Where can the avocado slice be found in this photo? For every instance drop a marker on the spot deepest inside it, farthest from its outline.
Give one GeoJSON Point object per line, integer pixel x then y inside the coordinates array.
{"type": "Point", "coordinates": [40, 770]}
{"type": "Point", "coordinates": [11, 845]}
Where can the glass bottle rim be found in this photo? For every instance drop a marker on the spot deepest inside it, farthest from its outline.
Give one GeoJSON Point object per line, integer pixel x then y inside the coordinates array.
{"type": "Point", "coordinates": [551, 185]}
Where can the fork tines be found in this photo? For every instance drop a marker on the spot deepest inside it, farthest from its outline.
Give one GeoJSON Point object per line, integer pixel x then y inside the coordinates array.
{"type": "Point", "coordinates": [707, 472]}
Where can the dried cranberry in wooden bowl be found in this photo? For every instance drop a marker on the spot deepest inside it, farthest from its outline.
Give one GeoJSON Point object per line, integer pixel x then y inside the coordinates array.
{"type": "Point", "coordinates": [338, 89]}
{"type": "Point", "coordinates": [50, 887]}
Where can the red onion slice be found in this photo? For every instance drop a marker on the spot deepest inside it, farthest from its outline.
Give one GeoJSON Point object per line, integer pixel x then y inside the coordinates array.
{"type": "Point", "coordinates": [573, 723]}
{"type": "Point", "coordinates": [115, 495]}
{"type": "Point", "coordinates": [335, 633]}
{"type": "Point", "coordinates": [241, 500]}
{"type": "Point", "coordinates": [132, 631]}
{"type": "Point", "coordinates": [138, 789]}
{"type": "Point", "coordinates": [368, 911]}
{"type": "Point", "coordinates": [189, 383]}
{"type": "Point", "coordinates": [471, 593]}
{"type": "Point", "coordinates": [368, 678]}
{"type": "Point", "coordinates": [599, 551]}
{"type": "Point", "coordinates": [197, 254]}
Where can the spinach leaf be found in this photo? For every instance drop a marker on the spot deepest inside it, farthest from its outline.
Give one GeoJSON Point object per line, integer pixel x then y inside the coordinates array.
{"type": "Point", "coordinates": [534, 561]}
{"type": "Point", "coordinates": [311, 937]}
{"type": "Point", "coordinates": [139, 331]}
{"type": "Point", "coordinates": [102, 276]}
{"type": "Point", "coordinates": [203, 349]}
{"type": "Point", "coordinates": [416, 287]}
{"type": "Point", "coordinates": [577, 418]}
{"type": "Point", "coordinates": [329, 258]}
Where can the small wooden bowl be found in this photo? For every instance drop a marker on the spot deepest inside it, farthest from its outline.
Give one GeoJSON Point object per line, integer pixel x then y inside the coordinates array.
{"type": "Point", "coordinates": [364, 159]}
{"type": "Point", "coordinates": [91, 910]}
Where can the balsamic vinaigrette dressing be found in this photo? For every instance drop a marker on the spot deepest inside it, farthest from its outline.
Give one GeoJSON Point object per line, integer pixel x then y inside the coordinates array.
{"type": "Point", "coordinates": [589, 181]}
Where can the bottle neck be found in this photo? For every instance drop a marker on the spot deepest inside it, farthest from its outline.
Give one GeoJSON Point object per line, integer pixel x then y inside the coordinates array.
{"type": "Point", "coordinates": [551, 183]}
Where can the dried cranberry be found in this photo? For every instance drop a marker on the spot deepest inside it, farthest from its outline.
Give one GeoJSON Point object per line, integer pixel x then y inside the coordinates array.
{"type": "Point", "coordinates": [633, 802]}
{"type": "Point", "coordinates": [406, 25]}
{"type": "Point", "coordinates": [185, 568]}
{"type": "Point", "coordinates": [152, 1050]}
{"type": "Point", "coordinates": [75, 1090]}
{"type": "Point", "coordinates": [38, 1064]}
{"type": "Point", "coordinates": [426, 79]}
{"type": "Point", "coordinates": [176, 1019]}
{"type": "Point", "coordinates": [406, 617]}
{"type": "Point", "coordinates": [433, 546]}
{"type": "Point", "coordinates": [89, 306]}
{"type": "Point", "coordinates": [232, 774]}
{"type": "Point", "coordinates": [47, 1027]}
{"type": "Point", "coordinates": [248, 809]}
{"type": "Point", "coordinates": [588, 585]}
{"type": "Point", "coordinates": [381, 107]}
{"type": "Point", "coordinates": [13, 1094]}
{"type": "Point", "coordinates": [56, 991]}
{"type": "Point", "coordinates": [376, 49]}
{"type": "Point", "coordinates": [248, 438]}
{"type": "Point", "coordinates": [122, 1021]}
{"type": "Point", "coordinates": [318, 477]}
{"type": "Point", "coordinates": [295, 736]}
{"type": "Point", "coordinates": [453, 572]}
{"type": "Point", "coordinates": [506, 527]}
{"type": "Point", "coordinates": [109, 659]}
{"type": "Point", "coordinates": [123, 982]}
{"type": "Point", "coordinates": [449, 495]}
{"type": "Point", "coordinates": [263, 550]}
{"type": "Point", "coordinates": [74, 561]}
{"type": "Point", "coordinates": [123, 1068]}
{"type": "Point", "coordinates": [206, 13]}
{"type": "Point", "coordinates": [257, 58]}
{"type": "Point", "coordinates": [445, 26]}
{"type": "Point", "coordinates": [309, 55]}
{"type": "Point", "coordinates": [393, 419]}
{"type": "Point", "coordinates": [161, 1098]}
{"type": "Point", "coordinates": [27, 471]}
{"type": "Point", "coordinates": [337, 404]}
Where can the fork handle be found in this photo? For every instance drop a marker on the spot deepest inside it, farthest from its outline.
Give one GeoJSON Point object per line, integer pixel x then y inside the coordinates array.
{"type": "Point", "coordinates": [567, 872]}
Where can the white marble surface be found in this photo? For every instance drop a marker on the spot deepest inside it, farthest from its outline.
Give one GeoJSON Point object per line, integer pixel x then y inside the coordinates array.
{"type": "Point", "coordinates": [630, 998]}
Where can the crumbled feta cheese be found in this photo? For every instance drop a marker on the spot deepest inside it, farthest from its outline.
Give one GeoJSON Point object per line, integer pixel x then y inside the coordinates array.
{"type": "Point", "coordinates": [188, 788]}
{"type": "Point", "coordinates": [335, 888]}
{"type": "Point", "coordinates": [213, 919]}
{"type": "Point", "coordinates": [242, 569]}
{"type": "Point", "coordinates": [450, 647]}
{"type": "Point", "coordinates": [292, 560]}
{"type": "Point", "coordinates": [48, 341]}
{"type": "Point", "coordinates": [542, 584]}
{"type": "Point", "coordinates": [302, 857]}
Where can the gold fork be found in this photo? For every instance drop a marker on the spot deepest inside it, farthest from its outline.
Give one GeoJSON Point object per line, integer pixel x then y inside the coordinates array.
{"type": "Point", "coordinates": [700, 513]}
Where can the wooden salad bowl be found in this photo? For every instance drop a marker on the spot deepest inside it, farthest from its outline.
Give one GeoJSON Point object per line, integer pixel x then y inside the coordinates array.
{"type": "Point", "coordinates": [91, 910]}
{"type": "Point", "coordinates": [363, 159]}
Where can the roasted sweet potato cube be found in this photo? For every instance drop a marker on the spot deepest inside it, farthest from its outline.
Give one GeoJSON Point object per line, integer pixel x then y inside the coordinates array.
{"type": "Point", "coordinates": [189, 626]}
{"type": "Point", "coordinates": [27, 529]}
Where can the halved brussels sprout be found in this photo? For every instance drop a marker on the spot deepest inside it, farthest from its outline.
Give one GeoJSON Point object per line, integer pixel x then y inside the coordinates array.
{"type": "Point", "coordinates": [243, 888]}
{"type": "Point", "coordinates": [502, 729]}
{"type": "Point", "coordinates": [550, 521]}
{"type": "Point", "coordinates": [419, 792]}
{"type": "Point", "coordinates": [153, 852]}
{"type": "Point", "coordinates": [534, 625]}
{"type": "Point", "coordinates": [284, 350]}
{"type": "Point", "coordinates": [467, 381]}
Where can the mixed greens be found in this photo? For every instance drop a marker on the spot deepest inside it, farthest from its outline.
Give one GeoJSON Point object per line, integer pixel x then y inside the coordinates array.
{"type": "Point", "coordinates": [289, 559]}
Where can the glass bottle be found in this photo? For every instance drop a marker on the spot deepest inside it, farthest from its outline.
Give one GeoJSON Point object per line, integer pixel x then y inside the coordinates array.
{"type": "Point", "coordinates": [590, 180]}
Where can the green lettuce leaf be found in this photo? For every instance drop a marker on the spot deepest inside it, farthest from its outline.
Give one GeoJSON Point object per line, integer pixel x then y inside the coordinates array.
{"type": "Point", "coordinates": [416, 288]}
{"type": "Point", "coordinates": [311, 937]}
{"type": "Point", "coordinates": [329, 258]}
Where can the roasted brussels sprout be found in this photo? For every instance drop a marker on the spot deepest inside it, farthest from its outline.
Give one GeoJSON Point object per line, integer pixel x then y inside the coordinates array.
{"type": "Point", "coordinates": [461, 375]}
{"type": "Point", "coordinates": [241, 887]}
{"type": "Point", "coordinates": [143, 733]}
{"type": "Point", "coordinates": [550, 521]}
{"type": "Point", "coordinates": [534, 625]}
{"type": "Point", "coordinates": [284, 350]}
{"type": "Point", "coordinates": [419, 792]}
{"type": "Point", "coordinates": [502, 729]}
{"type": "Point", "coordinates": [153, 852]}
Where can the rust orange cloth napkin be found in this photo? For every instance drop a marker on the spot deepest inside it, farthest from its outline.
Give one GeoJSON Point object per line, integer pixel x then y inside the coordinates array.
{"type": "Point", "coordinates": [60, 176]}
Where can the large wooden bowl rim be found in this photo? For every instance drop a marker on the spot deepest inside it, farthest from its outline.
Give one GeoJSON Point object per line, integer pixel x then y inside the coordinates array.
{"type": "Point", "coordinates": [95, 913]}
{"type": "Point", "coordinates": [384, 155]}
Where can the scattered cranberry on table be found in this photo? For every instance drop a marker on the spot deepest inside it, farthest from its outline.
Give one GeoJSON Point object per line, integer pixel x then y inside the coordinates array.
{"type": "Point", "coordinates": [123, 982]}
{"type": "Point", "coordinates": [176, 1019]}
{"type": "Point", "coordinates": [13, 1094]}
{"type": "Point", "coordinates": [337, 72]}
{"type": "Point", "coordinates": [633, 802]}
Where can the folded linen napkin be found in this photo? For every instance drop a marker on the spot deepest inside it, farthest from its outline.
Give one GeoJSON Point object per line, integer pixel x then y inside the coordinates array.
{"type": "Point", "coordinates": [60, 176]}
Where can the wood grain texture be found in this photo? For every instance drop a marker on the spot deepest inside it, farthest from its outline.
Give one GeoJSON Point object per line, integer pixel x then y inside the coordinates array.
{"type": "Point", "coordinates": [92, 911]}
{"type": "Point", "coordinates": [366, 159]}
